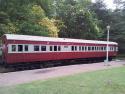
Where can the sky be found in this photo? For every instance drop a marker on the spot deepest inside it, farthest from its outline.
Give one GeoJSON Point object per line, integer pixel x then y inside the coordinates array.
{"type": "Point", "coordinates": [109, 4]}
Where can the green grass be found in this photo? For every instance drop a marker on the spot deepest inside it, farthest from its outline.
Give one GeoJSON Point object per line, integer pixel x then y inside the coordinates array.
{"type": "Point", "coordinates": [99, 82]}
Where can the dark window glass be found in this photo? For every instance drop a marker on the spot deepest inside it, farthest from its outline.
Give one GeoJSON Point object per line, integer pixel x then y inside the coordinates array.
{"type": "Point", "coordinates": [55, 48]}
{"type": "Point", "coordinates": [89, 48]}
{"type": "Point", "coordinates": [43, 48]}
{"type": "Point", "coordinates": [13, 48]}
{"type": "Point", "coordinates": [51, 48]}
{"type": "Point", "coordinates": [72, 48]}
{"type": "Point", "coordinates": [79, 48]}
{"type": "Point", "coordinates": [98, 48]}
{"type": "Point", "coordinates": [105, 48]}
{"type": "Point", "coordinates": [20, 48]}
{"type": "Point", "coordinates": [83, 48]}
{"type": "Point", "coordinates": [26, 48]}
{"type": "Point", "coordinates": [59, 48]}
{"type": "Point", "coordinates": [75, 48]}
{"type": "Point", "coordinates": [36, 48]}
{"type": "Point", "coordinates": [93, 48]}
{"type": "Point", "coordinates": [102, 48]}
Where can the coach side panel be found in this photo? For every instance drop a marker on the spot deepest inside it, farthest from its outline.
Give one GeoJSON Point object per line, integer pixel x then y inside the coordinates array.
{"type": "Point", "coordinates": [28, 51]}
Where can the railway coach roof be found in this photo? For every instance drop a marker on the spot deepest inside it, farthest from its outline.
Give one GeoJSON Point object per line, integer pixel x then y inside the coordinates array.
{"type": "Point", "coordinates": [41, 38]}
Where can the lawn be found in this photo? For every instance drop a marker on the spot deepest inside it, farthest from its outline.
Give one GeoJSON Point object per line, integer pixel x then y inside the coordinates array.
{"type": "Point", "coordinates": [110, 81]}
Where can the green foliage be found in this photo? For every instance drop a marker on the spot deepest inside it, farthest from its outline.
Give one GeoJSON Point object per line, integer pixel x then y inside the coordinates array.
{"type": "Point", "coordinates": [79, 22]}
{"type": "Point", "coordinates": [118, 29]}
{"type": "Point", "coordinates": [22, 16]}
{"type": "Point", "coordinates": [7, 28]}
{"type": "Point", "coordinates": [47, 6]}
{"type": "Point", "coordinates": [32, 29]}
{"type": "Point", "coordinates": [50, 24]}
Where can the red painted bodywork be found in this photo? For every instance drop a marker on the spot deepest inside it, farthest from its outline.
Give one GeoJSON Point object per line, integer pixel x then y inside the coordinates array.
{"type": "Point", "coordinates": [12, 58]}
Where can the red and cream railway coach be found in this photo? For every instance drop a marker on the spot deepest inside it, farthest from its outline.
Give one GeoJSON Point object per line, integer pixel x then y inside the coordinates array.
{"type": "Point", "coordinates": [24, 48]}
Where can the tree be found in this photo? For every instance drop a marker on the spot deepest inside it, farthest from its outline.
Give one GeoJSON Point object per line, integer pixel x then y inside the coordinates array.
{"type": "Point", "coordinates": [23, 16]}
{"type": "Point", "coordinates": [118, 30]}
{"type": "Point", "coordinates": [118, 3]}
{"type": "Point", "coordinates": [79, 22]}
{"type": "Point", "coordinates": [50, 24]}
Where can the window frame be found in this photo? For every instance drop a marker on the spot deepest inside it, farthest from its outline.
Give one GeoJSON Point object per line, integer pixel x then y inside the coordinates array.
{"type": "Point", "coordinates": [50, 48]}
{"type": "Point", "coordinates": [25, 48]}
{"type": "Point", "coordinates": [34, 48]}
{"type": "Point", "coordinates": [59, 48]}
{"type": "Point", "coordinates": [12, 48]}
{"type": "Point", "coordinates": [72, 48]}
{"type": "Point", "coordinates": [55, 48]}
{"type": "Point", "coordinates": [22, 49]}
{"type": "Point", "coordinates": [41, 49]}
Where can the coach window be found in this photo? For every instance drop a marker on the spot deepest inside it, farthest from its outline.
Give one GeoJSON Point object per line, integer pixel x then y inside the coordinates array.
{"type": "Point", "coordinates": [72, 48]}
{"type": "Point", "coordinates": [26, 48]}
{"type": "Point", "coordinates": [93, 48]}
{"type": "Point", "coordinates": [43, 48]}
{"type": "Point", "coordinates": [97, 48]}
{"type": "Point", "coordinates": [101, 48]}
{"type": "Point", "coordinates": [51, 48]}
{"type": "Point", "coordinates": [13, 48]}
{"type": "Point", "coordinates": [104, 48]}
{"type": "Point", "coordinates": [36, 48]}
{"type": "Point", "coordinates": [79, 48]}
{"type": "Point", "coordinates": [55, 48]}
{"type": "Point", "coordinates": [82, 48]}
{"type": "Point", "coordinates": [75, 48]}
{"type": "Point", "coordinates": [113, 48]}
{"type": "Point", "coordinates": [59, 48]}
{"type": "Point", "coordinates": [20, 48]}
{"type": "Point", "coordinates": [89, 48]}
{"type": "Point", "coordinates": [110, 48]}
{"type": "Point", "coordinates": [85, 48]}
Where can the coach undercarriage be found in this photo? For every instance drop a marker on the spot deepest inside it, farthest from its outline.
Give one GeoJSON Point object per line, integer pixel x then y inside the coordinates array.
{"type": "Point", "coordinates": [47, 64]}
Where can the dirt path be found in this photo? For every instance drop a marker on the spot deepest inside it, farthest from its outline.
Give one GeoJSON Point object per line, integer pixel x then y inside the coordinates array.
{"type": "Point", "coordinates": [8, 79]}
